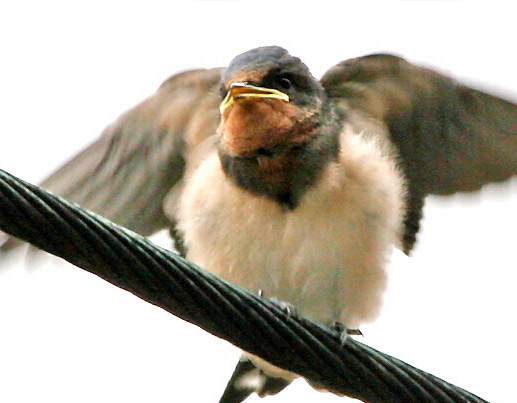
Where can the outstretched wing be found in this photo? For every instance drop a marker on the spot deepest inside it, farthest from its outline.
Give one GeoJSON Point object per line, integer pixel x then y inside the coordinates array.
{"type": "Point", "coordinates": [126, 173]}
{"type": "Point", "coordinates": [450, 138]}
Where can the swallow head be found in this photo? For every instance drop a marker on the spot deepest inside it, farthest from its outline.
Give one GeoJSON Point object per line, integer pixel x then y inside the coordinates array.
{"type": "Point", "coordinates": [270, 103]}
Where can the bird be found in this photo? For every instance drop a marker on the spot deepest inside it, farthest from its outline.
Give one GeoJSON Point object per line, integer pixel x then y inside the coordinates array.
{"type": "Point", "coordinates": [293, 187]}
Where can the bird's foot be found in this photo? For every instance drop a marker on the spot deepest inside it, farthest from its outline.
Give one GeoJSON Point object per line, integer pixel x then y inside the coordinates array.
{"type": "Point", "coordinates": [288, 308]}
{"type": "Point", "coordinates": [344, 332]}
{"type": "Point", "coordinates": [285, 306]}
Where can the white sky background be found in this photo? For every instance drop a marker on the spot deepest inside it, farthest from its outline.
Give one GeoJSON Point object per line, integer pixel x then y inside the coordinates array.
{"type": "Point", "coordinates": [67, 69]}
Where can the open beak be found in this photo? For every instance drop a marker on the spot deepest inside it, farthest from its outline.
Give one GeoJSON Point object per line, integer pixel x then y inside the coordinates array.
{"type": "Point", "coordinates": [242, 90]}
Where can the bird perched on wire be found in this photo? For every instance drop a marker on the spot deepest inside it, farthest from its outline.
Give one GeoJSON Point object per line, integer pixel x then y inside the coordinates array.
{"type": "Point", "coordinates": [294, 187]}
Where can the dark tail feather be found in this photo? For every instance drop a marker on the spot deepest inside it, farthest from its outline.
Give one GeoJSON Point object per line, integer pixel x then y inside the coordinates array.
{"type": "Point", "coordinates": [272, 385]}
{"type": "Point", "coordinates": [248, 379]}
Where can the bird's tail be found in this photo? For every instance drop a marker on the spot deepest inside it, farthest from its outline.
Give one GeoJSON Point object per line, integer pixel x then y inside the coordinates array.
{"type": "Point", "coordinates": [248, 379]}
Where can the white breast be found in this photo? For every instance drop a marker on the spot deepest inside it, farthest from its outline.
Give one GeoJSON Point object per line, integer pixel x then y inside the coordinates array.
{"type": "Point", "coordinates": [327, 257]}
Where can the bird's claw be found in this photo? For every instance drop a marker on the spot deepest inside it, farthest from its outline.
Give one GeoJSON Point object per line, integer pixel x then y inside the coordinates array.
{"type": "Point", "coordinates": [344, 332]}
{"type": "Point", "coordinates": [285, 306]}
{"type": "Point", "coordinates": [288, 308]}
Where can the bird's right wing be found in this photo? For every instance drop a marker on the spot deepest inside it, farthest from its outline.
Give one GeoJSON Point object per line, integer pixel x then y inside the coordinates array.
{"type": "Point", "coordinates": [126, 173]}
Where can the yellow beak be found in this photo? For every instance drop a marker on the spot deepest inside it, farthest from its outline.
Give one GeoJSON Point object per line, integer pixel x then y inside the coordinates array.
{"type": "Point", "coordinates": [241, 90]}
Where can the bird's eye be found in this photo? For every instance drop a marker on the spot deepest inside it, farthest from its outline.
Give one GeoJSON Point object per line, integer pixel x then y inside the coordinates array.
{"type": "Point", "coordinates": [285, 83]}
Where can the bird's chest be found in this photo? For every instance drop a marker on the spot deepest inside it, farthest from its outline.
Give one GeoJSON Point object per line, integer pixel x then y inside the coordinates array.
{"type": "Point", "coordinates": [308, 256]}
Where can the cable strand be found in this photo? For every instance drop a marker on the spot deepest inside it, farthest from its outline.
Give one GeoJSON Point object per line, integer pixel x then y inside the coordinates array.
{"type": "Point", "coordinates": [256, 325]}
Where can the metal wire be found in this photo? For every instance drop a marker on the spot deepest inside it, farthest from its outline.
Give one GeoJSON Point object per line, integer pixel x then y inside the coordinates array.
{"type": "Point", "coordinates": [163, 278]}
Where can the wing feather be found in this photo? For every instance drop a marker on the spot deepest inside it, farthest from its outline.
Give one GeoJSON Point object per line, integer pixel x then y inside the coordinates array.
{"type": "Point", "coordinates": [449, 137]}
{"type": "Point", "coordinates": [126, 174]}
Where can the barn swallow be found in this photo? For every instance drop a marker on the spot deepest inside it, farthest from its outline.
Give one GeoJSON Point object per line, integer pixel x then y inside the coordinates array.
{"type": "Point", "coordinates": [291, 186]}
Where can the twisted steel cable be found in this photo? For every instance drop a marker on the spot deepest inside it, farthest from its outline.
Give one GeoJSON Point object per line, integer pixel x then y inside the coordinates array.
{"type": "Point", "coordinates": [256, 325]}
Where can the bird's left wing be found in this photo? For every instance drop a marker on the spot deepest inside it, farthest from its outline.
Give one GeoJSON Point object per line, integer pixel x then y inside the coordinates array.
{"type": "Point", "coordinates": [449, 137]}
{"type": "Point", "coordinates": [126, 173]}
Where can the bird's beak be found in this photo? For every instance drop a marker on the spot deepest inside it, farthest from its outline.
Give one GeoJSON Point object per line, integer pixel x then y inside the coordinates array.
{"type": "Point", "coordinates": [241, 90]}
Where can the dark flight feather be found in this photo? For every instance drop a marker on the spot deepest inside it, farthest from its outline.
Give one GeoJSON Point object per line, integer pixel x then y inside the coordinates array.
{"type": "Point", "coordinates": [449, 137]}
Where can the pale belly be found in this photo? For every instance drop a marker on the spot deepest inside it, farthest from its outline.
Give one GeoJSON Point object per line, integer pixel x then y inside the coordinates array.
{"type": "Point", "coordinates": [327, 257]}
